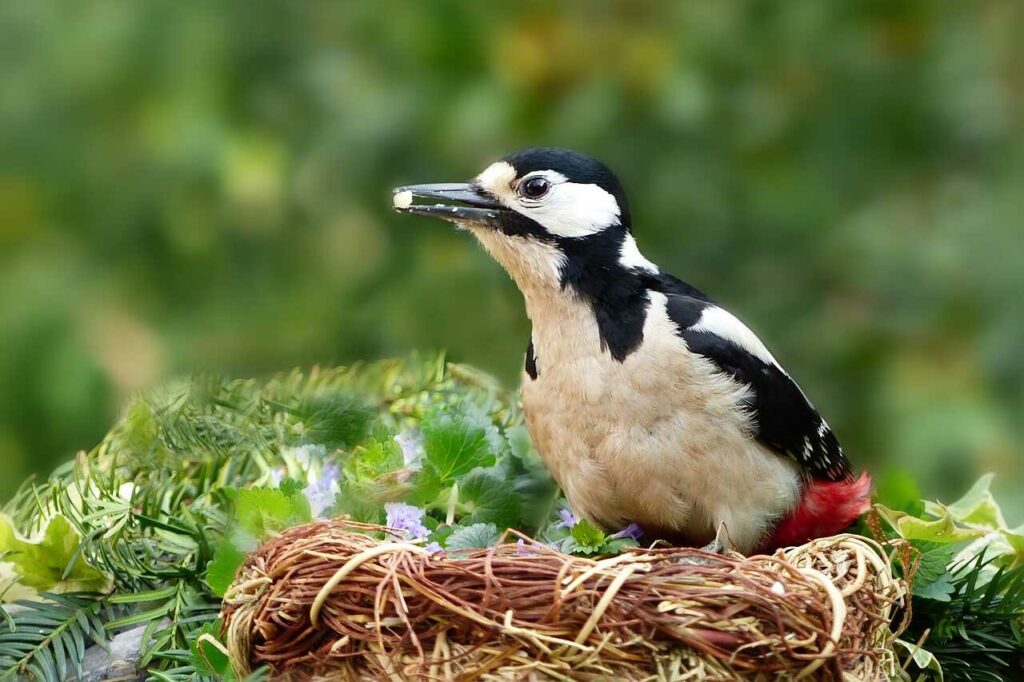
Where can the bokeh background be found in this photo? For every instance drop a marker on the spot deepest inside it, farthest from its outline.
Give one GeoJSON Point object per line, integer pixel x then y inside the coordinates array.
{"type": "Point", "coordinates": [205, 186]}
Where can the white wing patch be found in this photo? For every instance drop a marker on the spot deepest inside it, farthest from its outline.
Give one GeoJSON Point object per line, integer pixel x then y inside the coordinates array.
{"type": "Point", "coordinates": [722, 323]}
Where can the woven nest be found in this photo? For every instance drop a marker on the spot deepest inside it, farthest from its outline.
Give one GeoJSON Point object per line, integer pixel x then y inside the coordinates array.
{"type": "Point", "coordinates": [327, 599]}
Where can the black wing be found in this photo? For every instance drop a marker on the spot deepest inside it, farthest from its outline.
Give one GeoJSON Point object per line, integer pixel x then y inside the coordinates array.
{"type": "Point", "coordinates": [785, 420]}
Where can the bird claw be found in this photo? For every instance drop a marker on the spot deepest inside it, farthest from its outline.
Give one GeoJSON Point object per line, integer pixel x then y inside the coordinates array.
{"type": "Point", "coordinates": [717, 546]}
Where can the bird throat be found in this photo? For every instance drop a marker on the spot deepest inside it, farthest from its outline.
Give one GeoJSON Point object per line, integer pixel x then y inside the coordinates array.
{"type": "Point", "coordinates": [557, 277]}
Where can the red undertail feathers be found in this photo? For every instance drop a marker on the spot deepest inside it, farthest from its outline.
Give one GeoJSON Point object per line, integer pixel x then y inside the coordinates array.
{"type": "Point", "coordinates": [826, 508]}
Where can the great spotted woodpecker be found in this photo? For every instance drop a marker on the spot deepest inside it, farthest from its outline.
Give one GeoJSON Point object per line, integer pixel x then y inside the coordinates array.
{"type": "Point", "coordinates": [649, 402]}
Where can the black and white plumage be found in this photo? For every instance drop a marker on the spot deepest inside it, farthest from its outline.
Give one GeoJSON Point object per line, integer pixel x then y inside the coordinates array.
{"type": "Point", "coordinates": [649, 402]}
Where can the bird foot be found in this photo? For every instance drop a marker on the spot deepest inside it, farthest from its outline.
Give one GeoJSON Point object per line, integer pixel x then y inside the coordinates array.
{"type": "Point", "coordinates": [718, 546]}
{"type": "Point", "coordinates": [713, 547]}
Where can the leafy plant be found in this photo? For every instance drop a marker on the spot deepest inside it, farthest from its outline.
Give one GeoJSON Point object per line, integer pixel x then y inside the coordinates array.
{"type": "Point", "coordinates": [146, 532]}
{"type": "Point", "coordinates": [968, 586]}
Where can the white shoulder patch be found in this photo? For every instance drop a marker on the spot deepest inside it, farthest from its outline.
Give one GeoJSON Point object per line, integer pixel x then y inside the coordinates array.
{"type": "Point", "coordinates": [630, 256]}
{"type": "Point", "coordinates": [721, 322]}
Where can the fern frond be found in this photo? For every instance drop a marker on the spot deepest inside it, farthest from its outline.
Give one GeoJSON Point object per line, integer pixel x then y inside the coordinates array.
{"type": "Point", "coordinates": [45, 640]}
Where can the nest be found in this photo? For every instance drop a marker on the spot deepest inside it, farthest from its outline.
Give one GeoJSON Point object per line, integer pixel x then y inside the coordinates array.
{"type": "Point", "coordinates": [329, 599]}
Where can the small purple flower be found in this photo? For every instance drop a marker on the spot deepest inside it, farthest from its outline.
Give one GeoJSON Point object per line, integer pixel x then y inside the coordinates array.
{"type": "Point", "coordinates": [320, 497]}
{"type": "Point", "coordinates": [406, 517]}
{"type": "Point", "coordinates": [411, 442]}
{"type": "Point", "coordinates": [330, 474]}
{"type": "Point", "coordinates": [568, 519]}
{"type": "Point", "coordinates": [434, 548]}
{"type": "Point", "coordinates": [631, 531]}
{"type": "Point", "coordinates": [322, 492]}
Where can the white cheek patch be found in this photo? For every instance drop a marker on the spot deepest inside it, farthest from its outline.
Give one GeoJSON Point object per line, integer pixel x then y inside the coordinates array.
{"type": "Point", "coordinates": [721, 322]}
{"type": "Point", "coordinates": [568, 210]}
{"type": "Point", "coordinates": [574, 210]}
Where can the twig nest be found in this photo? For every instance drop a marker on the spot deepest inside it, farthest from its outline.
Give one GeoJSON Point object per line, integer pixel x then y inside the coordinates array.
{"type": "Point", "coordinates": [329, 599]}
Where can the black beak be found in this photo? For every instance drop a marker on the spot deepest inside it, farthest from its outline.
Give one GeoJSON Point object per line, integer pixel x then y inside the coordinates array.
{"type": "Point", "coordinates": [456, 201]}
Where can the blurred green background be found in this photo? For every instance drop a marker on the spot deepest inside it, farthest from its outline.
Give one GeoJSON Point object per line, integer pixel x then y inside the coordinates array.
{"type": "Point", "coordinates": [199, 185]}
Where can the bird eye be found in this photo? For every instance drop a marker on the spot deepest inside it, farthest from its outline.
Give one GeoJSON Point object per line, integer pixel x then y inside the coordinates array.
{"type": "Point", "coordinates": [535, 187]}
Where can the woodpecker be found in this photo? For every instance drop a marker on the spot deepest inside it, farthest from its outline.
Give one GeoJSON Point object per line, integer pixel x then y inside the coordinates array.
{"type": "Point", "coordinates": [649, 402]}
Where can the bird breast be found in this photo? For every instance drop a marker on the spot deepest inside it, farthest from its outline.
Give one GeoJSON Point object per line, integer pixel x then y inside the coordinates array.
{"type": "Point", "coordinates": [660, 438]}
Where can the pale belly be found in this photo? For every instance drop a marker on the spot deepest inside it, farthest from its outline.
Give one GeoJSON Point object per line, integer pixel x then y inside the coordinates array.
{"type": "Point", "coordinates": [659, 439]}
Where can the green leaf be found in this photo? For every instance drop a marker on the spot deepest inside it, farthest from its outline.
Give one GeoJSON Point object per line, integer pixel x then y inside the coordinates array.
{"type": "Point", "coordinates": [978, 507]}
{"type": "Point", "coordinates": [425, 490]}
{"type": "Point", "coordinates": [943, 529]}
{"type": "Point", "coordinates": [221, 570]}
{"type": "Point", "coordinates": [940, 589]}
{"type": "Point", "coordinates": [486, 497]}
{"type": "Point", "coordinates": [454, 446]}
{"type": "Point", "coordinates": [922, 658]}
{"type": "Point", "coordinates": [521, 446]}
{"type": "Point", "coordinates": [370, 462]}
{"type": "Point", "coordinates": [291, 486]}
{"type": "Point", "coordinates": [50, 560]}
{"type": "Point", "coordinates": [478, 535]}
{"type": "Point", "coordinates": [359, 501]}
{"type": "Point", "coordinates": [618, 545]}
{"type": "Point", "coordinates": [587, 535]}
{"type": "Point", "coordinates": [208, 653]}
{"type": "Point", "coordinates": [935, 560]}
{"type": "Point", "coordinates": [262, 512]}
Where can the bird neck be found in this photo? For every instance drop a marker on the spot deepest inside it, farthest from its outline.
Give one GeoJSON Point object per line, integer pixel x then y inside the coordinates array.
{"type": "Point", "coordinates": [597, 284]}
{"type": "Point", "coordinates": [602, 278]}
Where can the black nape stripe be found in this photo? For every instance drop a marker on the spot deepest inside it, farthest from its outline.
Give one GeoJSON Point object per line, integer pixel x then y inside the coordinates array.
{"type": "Point", "coordinates": [531, 362]}
{"type": "Point", "coordinates": [615, 293]}
{"type": "Point", "coordinates": [618, 295]}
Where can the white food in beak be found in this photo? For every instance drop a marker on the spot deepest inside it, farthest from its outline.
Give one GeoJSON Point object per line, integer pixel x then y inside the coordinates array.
{"type": "Point", "coordinates": [402, 199]}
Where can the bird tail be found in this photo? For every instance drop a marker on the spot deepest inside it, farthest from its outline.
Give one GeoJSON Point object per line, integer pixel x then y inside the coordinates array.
{"type": "Point", "coordinates": [826, 508]}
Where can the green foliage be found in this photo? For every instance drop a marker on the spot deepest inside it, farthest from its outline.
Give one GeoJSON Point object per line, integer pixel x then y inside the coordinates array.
{"type": "Point", "coordinates": [975, 629]}
{"type": "Point", "coordinates": [259, 513]}
{"type": "Point", "coordinates": [485, 496]}
{"type": "Point", "coordinates": [475, 536]}
{"type": "Point", "coordinates": [208, 654]}
{"type": "Point", "coordinates": [335, 419]}
{"type": "Point", "coordinates": [46, 640]}
{"type": "Point", "coordinates": [221, 570]}
{"type": "Point", "coordinates": [157, 519]}
{"type": "Point", "coordinates": [969, 585]}
{"type": "Point", "coordinates": [51, 561]}
{"type": "Point", "coordinates": [932, 579]}
{"type": "Point", "coordinates": [454, 445]}
{"type": "Point", "coordinates": [150, 527]}
{"type": "Point", "coordinates": [584, 538]}
{"type": "Point", "coordinates": [587, 537]}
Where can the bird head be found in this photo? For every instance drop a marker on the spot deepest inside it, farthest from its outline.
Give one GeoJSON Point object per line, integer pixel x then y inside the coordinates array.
{"type": "Point", "coordinates": [541, 212]}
